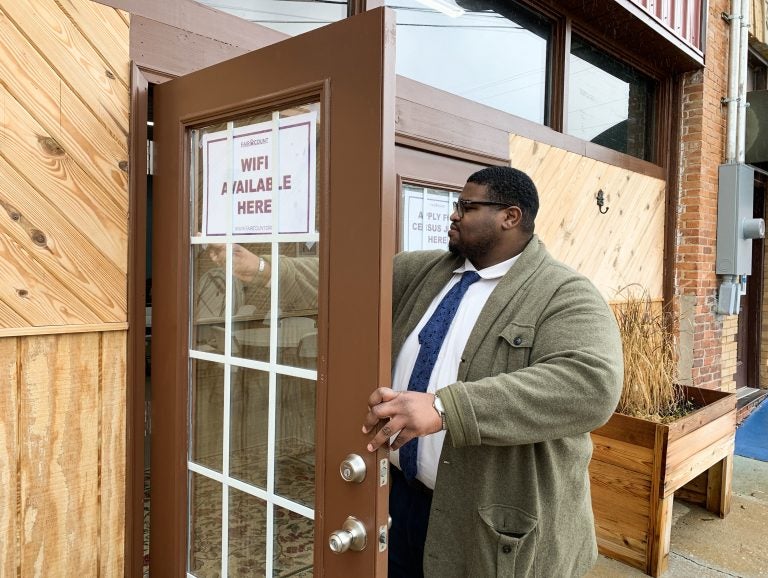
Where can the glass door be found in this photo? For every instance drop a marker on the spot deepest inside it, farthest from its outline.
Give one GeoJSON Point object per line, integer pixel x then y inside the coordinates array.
{"type": "Point", "coordinates": [274, 232]}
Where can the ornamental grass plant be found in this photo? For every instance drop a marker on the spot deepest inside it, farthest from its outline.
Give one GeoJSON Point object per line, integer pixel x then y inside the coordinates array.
{"type": "Point", "coordinates": [651, 389]}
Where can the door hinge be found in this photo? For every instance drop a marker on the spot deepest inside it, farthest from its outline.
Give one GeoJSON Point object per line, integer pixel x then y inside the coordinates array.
{"type": "Point", "coordinates": [150, 158]}
{"type": "Point", "coordinates": [383, 472]}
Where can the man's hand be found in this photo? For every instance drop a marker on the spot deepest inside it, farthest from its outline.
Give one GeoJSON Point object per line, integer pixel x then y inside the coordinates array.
{"type": "Point", "coordinates": [408, 412]}
{"type": "Point", "coordinates": [245, 265]}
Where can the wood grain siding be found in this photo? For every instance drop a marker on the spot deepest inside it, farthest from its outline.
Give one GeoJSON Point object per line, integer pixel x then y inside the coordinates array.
{"type": "Point", "coordinates": [63, 163]}
{"type": "Point", "coordinates": [64, 123]}
{"type": "Point", "coordinates": [615, 249]}
{"type": "Point", "coordinates": [62, 455]}
{"type": "Point", "coordinates": [759, 21]}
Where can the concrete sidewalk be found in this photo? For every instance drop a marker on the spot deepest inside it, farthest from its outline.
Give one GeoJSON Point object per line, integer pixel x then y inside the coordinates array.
{"type": "Point", "coordinates": [705, 546]}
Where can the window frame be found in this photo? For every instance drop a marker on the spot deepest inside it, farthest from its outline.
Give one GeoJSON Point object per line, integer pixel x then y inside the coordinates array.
{"type": "Point", "coordinates": [564, 24]}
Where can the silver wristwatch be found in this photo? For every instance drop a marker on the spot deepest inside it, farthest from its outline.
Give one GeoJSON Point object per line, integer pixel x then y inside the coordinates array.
{"type": "Point", "coordinates": [437, 403]}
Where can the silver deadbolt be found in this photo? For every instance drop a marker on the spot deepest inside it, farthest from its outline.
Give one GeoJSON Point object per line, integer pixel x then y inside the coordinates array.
{"type": "Point", "coordinates": [352, 536]}
{"type": "Point", "coordinates": [352, 469]}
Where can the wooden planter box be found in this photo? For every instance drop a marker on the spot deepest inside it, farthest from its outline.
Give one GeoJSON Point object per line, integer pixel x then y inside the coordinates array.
{"type": "Point", "coordinates": [638, 465]}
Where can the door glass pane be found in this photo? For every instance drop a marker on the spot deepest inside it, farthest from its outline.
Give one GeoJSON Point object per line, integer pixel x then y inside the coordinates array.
{"type": "Point", "coordinates": [294, 535]}
{"type": "Point", "coordinates": [248, 418]}
{"type": "Point", "coordinates": [247, 534]}
{"type": "Point", "coordinates": [254, 339]}
{"type": "Point", "coordinates": [495, 52]}
{"type": "Point", "coordinates": [295, 456]}
{"type": "Point", "coordinates": [425, 217]}
{"type": "Point", "coordinates": [204, 527]}
{"type": "Point", "coordinates": [207, 414]}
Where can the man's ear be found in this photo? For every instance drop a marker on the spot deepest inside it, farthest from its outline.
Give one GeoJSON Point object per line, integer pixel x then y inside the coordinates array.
{"type": "Point", "coordinates": [513, 216]}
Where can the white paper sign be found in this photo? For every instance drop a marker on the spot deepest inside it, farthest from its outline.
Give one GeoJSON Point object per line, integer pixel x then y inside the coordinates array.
{"type": "Point", "coordinates": [426, 219]}
{"type": "Point", "coordinates": [254, 192]}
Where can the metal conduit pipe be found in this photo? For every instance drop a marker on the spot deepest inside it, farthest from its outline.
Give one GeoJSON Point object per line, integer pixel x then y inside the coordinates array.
{"type": "Point", "coordinates": [741, 117]}
{"type": "Point", "coordinates": [734, 22]}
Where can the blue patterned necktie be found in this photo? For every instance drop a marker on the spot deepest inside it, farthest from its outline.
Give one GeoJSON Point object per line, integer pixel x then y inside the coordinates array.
{"type": "Point", "coordinates": [431, 339]}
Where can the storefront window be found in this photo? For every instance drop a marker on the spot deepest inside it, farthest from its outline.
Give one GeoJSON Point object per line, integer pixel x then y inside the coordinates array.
{"type": "Point", "coordinates": [609, 102]}
{"type": "Point", "coordinates": [291, 17]}
{"type": "Point", "coordinates": [425, 217]}
{"type": "Point", "coordinates": [494, 52]}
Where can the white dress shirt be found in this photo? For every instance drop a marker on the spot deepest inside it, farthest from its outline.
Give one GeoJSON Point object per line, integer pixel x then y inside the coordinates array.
{"type": "Point", "coordinates": [446, 368]}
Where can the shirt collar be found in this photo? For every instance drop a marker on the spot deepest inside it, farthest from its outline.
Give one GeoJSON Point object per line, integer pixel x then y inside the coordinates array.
{"type": "Point", "coordinates": [493, 272]}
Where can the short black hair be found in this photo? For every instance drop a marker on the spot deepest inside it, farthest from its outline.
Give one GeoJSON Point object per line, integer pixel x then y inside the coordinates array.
{"type": "Point", "coordinates": [513, 186]}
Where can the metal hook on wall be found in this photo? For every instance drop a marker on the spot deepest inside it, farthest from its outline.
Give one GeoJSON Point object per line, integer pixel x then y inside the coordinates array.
{"type": "Point", "coordinates": [601, 202]}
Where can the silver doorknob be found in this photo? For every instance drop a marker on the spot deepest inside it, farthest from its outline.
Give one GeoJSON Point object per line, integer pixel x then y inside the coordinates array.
{"type": "Point", "coordinates": [352, 469]}
{"type": "Point", "coordinates": [352, 536]}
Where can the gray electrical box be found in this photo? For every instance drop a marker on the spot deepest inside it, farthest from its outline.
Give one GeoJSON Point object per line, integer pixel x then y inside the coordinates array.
{"type": "Point", "coordinates": [735, 225]}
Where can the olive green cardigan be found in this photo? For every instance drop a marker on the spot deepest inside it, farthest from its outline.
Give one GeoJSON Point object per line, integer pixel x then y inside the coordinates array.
{"type": "Point", "coordinates": [541, 369]}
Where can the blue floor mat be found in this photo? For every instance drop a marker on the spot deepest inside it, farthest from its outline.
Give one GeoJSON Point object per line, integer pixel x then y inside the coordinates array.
{"type": "Point", "coordinates": [752, 435]}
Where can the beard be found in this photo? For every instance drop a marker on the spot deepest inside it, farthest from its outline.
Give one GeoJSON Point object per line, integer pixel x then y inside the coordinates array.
{"type": "Point", "coordinates": [473, 251]}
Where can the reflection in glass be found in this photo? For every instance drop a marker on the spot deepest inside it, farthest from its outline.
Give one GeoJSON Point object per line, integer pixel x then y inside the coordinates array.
{"type": "Point", "coordinates": [297, 329]}
{"type": "Point", "coordinates": [295, 443]}
{"type": "Point", "coordinates": [290, 17]}
{"type": "Point", "coordinates": [609, 102]}
{"type": "Point", "coordinates": [494, 52]}
{"type": "Point", "coordinates": [247, 535]}
{"type": "Point", "coordinates": [254, 188]}
{"type": "Point", "coordinates": [207, 409]}
{"type": "Point", "coordinates": [209, 293]}
{"type": "Point", "coordinates": [249, 412]}
{"type": "Point", "coordinates": [294, 540]}
{"type": "Point", "coordinates": [204, 527]}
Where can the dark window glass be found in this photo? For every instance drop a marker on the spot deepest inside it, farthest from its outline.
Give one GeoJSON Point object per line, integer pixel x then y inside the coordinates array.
{"type": "Point", "coordinates": [609, 102]}
{"type": "Point", "coordinates": [494, 52]}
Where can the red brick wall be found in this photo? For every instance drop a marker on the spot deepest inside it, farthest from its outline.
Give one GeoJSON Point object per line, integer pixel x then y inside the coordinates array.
{"type": "Point", "coordinates": [702, 150]}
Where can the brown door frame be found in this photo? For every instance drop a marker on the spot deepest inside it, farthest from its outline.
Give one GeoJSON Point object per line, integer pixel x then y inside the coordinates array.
{"type": "Point", "coordinates": [359, 117]}
{"type": "Point", "coordinates": [755, 290]}
{"type": "Point", "coordinates": [135, 366]}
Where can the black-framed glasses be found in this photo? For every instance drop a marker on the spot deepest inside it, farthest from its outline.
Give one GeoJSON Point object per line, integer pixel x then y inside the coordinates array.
{"type": "Point", "coordinates": [463, 204]}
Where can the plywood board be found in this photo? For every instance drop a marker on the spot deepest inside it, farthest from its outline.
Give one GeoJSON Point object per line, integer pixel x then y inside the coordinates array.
{"type": "Point", "coordinates": [758, 20]}
{"type": "Point", "coordinates": [59, 421]}
{"type": "Point", "coordinates": [112, 458]}
{"type": "Point", "coordinates": [621, 247]}
{"type": "Point", "coordinates": [9, 450]}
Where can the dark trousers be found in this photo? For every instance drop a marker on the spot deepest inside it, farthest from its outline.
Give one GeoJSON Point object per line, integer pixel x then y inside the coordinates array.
{"type": "Point", "coordinates": [409, 504]}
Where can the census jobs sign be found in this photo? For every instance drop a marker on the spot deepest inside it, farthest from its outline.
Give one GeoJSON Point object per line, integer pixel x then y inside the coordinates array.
{"type": "Point", "coordinates": [426, 218]}
{"type": "Point", "coordinates": [251, 188]}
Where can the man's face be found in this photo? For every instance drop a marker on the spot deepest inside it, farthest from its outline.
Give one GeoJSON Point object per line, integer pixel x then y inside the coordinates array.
{"type": "Point", "coordinates": [474, 234]}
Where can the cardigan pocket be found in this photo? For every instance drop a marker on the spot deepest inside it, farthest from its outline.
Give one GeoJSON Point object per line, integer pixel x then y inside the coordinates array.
{"type": "Point", "coordinates": [506, 545]}
{"type": "Point", "coordinates": [517, 341]}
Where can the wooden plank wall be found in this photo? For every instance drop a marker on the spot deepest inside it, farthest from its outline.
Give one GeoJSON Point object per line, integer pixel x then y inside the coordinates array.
{"type": "Point", "coordinates": [759, 19]}
{"type": "Point", "coordinates": [64, 114]}
{"type": "Point", "coordinates": [621, 247]}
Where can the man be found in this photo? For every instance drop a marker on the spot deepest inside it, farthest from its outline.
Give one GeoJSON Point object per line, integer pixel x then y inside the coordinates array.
{"type": "Point", "coordinates": [501, 403]}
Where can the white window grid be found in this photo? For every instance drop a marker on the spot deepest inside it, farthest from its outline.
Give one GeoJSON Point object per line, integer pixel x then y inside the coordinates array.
{"type": "Point", "coordinates": [228, 361]}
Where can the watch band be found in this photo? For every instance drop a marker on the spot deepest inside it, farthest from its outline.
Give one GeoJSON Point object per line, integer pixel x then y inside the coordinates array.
{"type": "Point", "coordinates": [437, 403]}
